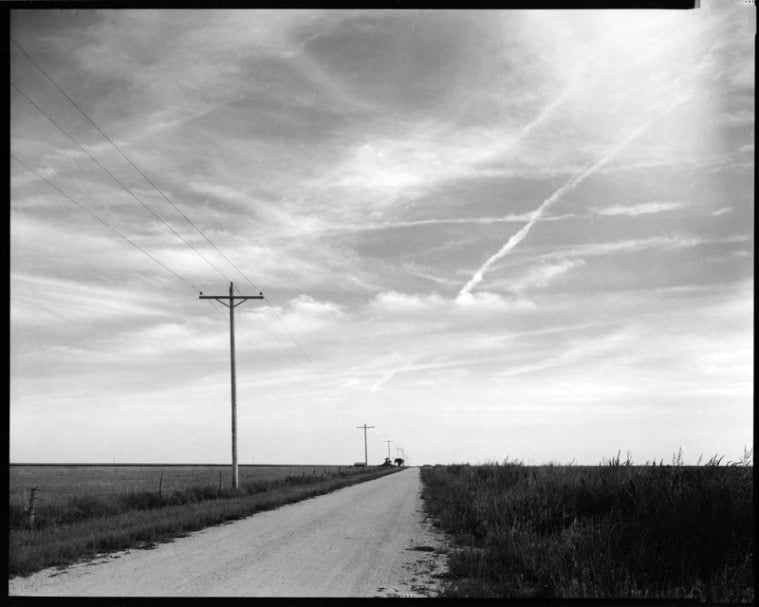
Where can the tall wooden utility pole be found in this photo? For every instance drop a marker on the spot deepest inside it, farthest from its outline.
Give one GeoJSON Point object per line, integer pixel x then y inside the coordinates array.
{"type": "Point", "coordinates": [229, 301]}
{"type": "Point", "coordinates": [388, 448]}
{"type": "Point", "coordinates": [366, 453]}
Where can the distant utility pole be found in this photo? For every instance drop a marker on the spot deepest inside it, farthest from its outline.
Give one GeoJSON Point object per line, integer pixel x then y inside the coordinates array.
{"type": "Point", "coordinates": [388, 448]}
{"type": "Point", "coordinates": [229, 301]}
{"type": "Point", "coordinates": [366, 453]}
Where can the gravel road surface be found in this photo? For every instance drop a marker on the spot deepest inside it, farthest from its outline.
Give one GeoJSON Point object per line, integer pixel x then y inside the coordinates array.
{"type": "Point", "coordinates": [369, 539]}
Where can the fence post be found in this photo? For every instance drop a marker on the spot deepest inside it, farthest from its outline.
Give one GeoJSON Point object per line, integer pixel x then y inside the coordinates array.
{"type": "Point", "coordinates": [160, 486]}
{"type": "Point", "coordinates": [32, 508]}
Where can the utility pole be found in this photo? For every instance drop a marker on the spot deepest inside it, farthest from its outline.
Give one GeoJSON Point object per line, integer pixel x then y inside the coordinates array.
{"type": "Point", "coordinates": [388, 448]}
{"type": "Point", "coordinates": [229, 301]}
{"type": "Point", "coordinates": [366, 453]}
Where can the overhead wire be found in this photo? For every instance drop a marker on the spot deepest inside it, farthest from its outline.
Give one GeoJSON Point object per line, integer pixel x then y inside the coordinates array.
{"type": "Point", "coordinates": [121, 152]}
{"type": "Point", "coordinates": [105, 223]}
{"type": "Point", "coordinates": [262, 355]}
{"type": "Point", "coordinates": [129, 191]}
{"type": "Point", "coordinates": [148, 180]}
{"type": "Point", "coordinates": [308, 358]}
{"type": "Point", "coordinates": [138, 247]}
{"type": "Point", "coordinates": [255, 313]}
{"type": "Point", "coordinates": [117, 180]}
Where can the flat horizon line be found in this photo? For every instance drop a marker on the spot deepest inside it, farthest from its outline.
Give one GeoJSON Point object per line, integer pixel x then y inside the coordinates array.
{"type": "Point", "coordinates": [153, 464]}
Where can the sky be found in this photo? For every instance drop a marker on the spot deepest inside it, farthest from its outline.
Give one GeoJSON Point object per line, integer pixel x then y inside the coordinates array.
{"type": "Point", "coordinates": [487, 234]}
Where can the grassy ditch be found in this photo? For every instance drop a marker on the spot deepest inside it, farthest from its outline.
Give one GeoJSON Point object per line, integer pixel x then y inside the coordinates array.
{"type": "Point", "coordinates": [610, 531]}
{"type": "Point", "coordinates": [88, 527]}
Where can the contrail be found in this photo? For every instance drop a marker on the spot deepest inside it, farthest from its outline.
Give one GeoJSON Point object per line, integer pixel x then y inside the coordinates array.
{"type": "Point", "coordinates": [574, 182]}
{"type": "Point", "coordinates": [538, 213]}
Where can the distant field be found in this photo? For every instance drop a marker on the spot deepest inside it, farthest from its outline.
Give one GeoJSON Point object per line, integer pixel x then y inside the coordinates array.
{"type": "Point", "coordinates": [59, 483]}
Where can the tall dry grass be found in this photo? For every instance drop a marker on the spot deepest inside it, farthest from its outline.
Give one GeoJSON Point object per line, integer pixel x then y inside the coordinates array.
{"type": "Point", "coordinates": [613, 530]}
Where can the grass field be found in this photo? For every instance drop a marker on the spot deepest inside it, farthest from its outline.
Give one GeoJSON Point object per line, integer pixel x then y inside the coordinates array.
{"type": "Point", "coordinates": [609, 531]}
{"type": "Point", "coordinates": [58, 483]}
{"type": "Point", "coordinates": [93, 509]}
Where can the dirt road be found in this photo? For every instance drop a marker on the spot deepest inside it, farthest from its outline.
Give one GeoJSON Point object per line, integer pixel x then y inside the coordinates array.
{"type": "Point", "coordinates": [369, 539]}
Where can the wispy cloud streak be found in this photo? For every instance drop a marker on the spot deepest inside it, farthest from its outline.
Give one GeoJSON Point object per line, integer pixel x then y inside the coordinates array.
{"type": "Point", "coordinates": [646, 208]}
{"type": "Point", "coordinates": [389, 225]}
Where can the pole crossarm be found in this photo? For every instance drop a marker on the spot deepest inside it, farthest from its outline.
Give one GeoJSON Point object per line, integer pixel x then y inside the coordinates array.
{"type": "Point", "coordinates": [223, 299]}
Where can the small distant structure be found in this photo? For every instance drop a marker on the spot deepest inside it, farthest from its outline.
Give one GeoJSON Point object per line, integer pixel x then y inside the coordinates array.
{"type": "Point", "coordinates": [387, 462]}
{"type": "Point", "coordinates": [359, 465]}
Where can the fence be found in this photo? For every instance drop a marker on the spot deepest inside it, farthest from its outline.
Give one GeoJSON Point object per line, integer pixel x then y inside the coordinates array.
{"type": "Point", "coordinates": [33, 487]}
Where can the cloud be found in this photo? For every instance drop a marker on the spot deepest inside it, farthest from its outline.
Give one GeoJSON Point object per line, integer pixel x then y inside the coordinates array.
{"type": "Point", "coordinates": [542, 275]}
{"type": "Point", "coordinates": [400, 303]}
{"type": "Point", "coordinates": [392, 225]}
{"type": "Point", "coordinates": [721, 211]}
{"type": "Point", "coordinates": [40, 300]}
{"type": "Point", "coordinates": [28, 177]}
{"type": "Point", "coordinates": [309, 305]}
{"type": "Point", "coordinates": [645, 208]}
{"type": "Point", "coordinates": [485, 301]}
{"type": "Point", "coordinates": [303, 317]}
{"type": "Point", "coordinates": [672, 241]}
{"type": "Point", "coordinates": [421, 271]}
{"type": "Point", "coordinates": [219, 191]}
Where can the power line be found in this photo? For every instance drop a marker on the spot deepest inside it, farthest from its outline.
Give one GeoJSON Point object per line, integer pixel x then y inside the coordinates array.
{"type": "Point", "coordinates": [82, 112]}
{"type": "Point", "coordinates": [297, 362]}
{"type": "Point", "coordinates": [271, 363]}
{"type": "Point", "coordinates": [114, 230]}
{"type": "Point", "coordinates": [117, 180]}
{"type": "Point", "coordinates": [138, 247]}
{"type": "Point", "coordinates": [123, 186]}
{"type": "Point", "coordinates": [191, 285]}
{"type": "Point", "coordinates": [308, 358]}
{"type": "Point", "coordinates": [258, 351]}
